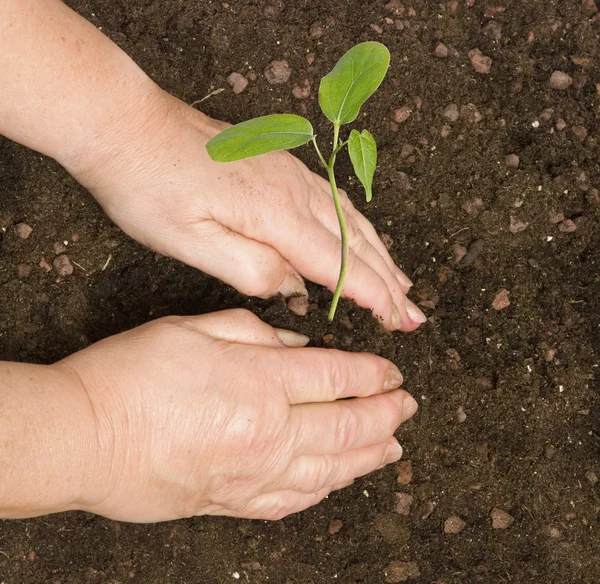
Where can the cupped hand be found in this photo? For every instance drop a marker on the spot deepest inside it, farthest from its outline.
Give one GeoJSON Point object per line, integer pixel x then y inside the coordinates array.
{"type": "Point", "coordinates": [260, 224]}
{"type": "Point", "coordinates": [222, 414]}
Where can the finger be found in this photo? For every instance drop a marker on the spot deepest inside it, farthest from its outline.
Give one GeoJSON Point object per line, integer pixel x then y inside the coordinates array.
{"type": "Point", "coordinates": [336, 427]}
{"type": "Point", "coordinates": [277, 505]}
{"type": "Point", "coordinates": [324, 211]}
{"type": "Point", "coordinates": [243, 327]}
{"type": "Point", "coordinates": [324, 375]}
{"type": "Point", "coordinates": [252, 267]}
{"type": "Point", "coordinates": [310, 474]}
{"type": "Point", "coordinates": [369, 231]}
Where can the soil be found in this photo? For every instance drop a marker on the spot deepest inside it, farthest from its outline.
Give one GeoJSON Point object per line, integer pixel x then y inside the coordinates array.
{"type": "Point", "coordinates": [509, 419]}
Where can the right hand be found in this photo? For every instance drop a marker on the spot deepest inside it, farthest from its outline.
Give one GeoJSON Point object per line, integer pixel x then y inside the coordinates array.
{"type": "Point", "coordinates": [221, 414]}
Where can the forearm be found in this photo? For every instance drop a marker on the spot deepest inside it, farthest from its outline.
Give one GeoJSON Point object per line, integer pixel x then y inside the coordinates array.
{"type": "Point", "coordinates": [47, 441]}
{"type": "Point", "coordinates": [65, 86]}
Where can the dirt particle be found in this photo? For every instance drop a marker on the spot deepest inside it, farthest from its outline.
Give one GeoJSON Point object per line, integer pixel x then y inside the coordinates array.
{"type": "Point", "coordinates": [441, 51]}
{"type": "Point", "coordinates": [23, 271]}
{"type": "Point", "coordinates": [500, 519]}
{"type": "Point", "coordinates": [546, 114]}
{"type": "Point", "coordinates": [302, 91]}
{"type": "Point", "coordinates": [501, 300]}
{"type": "Point", "coordinates": [278, 72]}
{"type": "Point", "coordinates": [298, 305]}
{"type": "Point", "coordinates": [591, 477]}
{"type": "Point", "coordinates": [271, 12]}
{"type": "Point", "coordinates": [451, 112]}
{"type": "Point", "coordinates": [63, 266]}
{"type": "Point", "coordinates": [402, 572]}
{"type": "Point", "coordinates": [556, 217]}
{"type": "Point", "coordinates": [237, 81]}
{"type": "Point", "coordinates": [445, 131]}
{"type": "Point", "coordinates": [405, 472]}
{"type": "Point", "coordinates": [404, 502]}
{"type": "Point", "coordinates": [334, 526]}
{"type": "Point", "coordinates": [560, 125]}
{"type": "Point", "coordinates": [461, 416]}
{"type": "Point", "coordinates": [454, 525]}
{"type": "Point", "coordinates": [251, 566]}
{"type": "Point", "coordinates": [470, 114]}
{"type": "Point", "coordinates": [516, 226]}
{"type": "Point", "coordinates": [475, 250]}
{"type": "Point", "coordinates": [459, 251]}
{"type": "Point", "coordinates": [480, 62]}
{"type": "Point", "coordinates": [549, 356]}
{"type": "Point", "coordinates": [567, 226]}
{"type": "Point", "coordinates": [316, 30]}
{"type": "Point", "coordinates": [580, 133]}
{"type": "Point", "coordinates": [387, 240]}
{"type": "Point", "coordinates": [549, 451]}
{"type": "Point", "coordinates": [402, 114]}
{"type": "Point", "coordinates": [23, 230]}
{"type": "Point", "coordinates": [44, 265]}
{"type": "Point", "coordinates": [310, 59]}
{"type": "Point", "coordinates": [376, 28]}
{"type": "Point", "coordinates": [560, 80]}
{"type": "Point", "coordinates": [59, 247]}
{"type": "Point", "coordinates": [512, 161]}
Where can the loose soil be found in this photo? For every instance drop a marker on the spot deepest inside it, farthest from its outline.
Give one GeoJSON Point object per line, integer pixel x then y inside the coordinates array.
{"type": "Point", "coordinates": [509, 398]}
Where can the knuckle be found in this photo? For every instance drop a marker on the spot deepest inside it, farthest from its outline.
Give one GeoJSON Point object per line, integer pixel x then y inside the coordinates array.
{"type": "Point", "coordinates": [346, 428]}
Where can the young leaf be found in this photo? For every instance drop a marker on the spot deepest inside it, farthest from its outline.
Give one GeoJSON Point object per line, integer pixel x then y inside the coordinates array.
{"type": "Point", "coordinates": [260, 136]}
{"type": "Point", "coordinates": [363, 154]}
{"type": "Point", "coordinates": [352, 81]}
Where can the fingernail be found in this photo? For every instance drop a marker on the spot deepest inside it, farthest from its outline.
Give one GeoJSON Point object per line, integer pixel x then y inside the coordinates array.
{"type": "Point", "coordinates": [415, 313]}
{"type": "Point", "coordinates": [393, 379]}
{"type": "Point", "coordinates": [403, 278]}
{"type": "Point", "coordinates": [409, 407]}
{"type": "Point", "coordinates": [292, 285]}
{"type": "Point", "coordinates": [291, 338]}
{"type": "Point", "coordinates": [393, 452]}
{"type": "Point", "coordinates": [396, 318]}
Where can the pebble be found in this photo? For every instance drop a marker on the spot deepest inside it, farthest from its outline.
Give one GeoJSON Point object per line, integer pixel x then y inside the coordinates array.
{"type": "Point", "coordinates": [500, 519]}
{"type": "Point", "coordinates": [298, 305]}
{"type": "Point", "coordinates": [580, 132]}
{"type": "Point", "coordinates": [23, 230]}
{"type": "Point", "coordinates": [376, 28]}
{"type": "Point", "coordinates": [271, 12]}
{"type": "Point", "coordinates": [546, 114]}
{"type": "Point", "coordinates": [560, 80]}
{"type": "Point", "coordinates": [517, 226]}
{"type": "Point", "coordinates": [445, 131]}
{"type": "Point", "coordinates": [310, 59]}
{"type": "Point", "coordinates": [591, 477]}
{"type": "Point", "coordinates": [62, 264]}
{"type": "Point", "coordinates": [567, 226]}
{"type": "Point", "coordinates": [549, 451]}
{"type": "Point", "coordinates": [404, 502]}
{"type": "Point", "coordinates": [278, 72]}
{"type": "Point", "coordinates": [405, 472]}
{"type": "Point", "coordinates": [316, 30]}
{"type": "Point", "coordinates": [560, 124]}
{"type": "Point", "coordinates": [302, 91]}
{"type": "Point", "coordinates": [251, 566]}
{"type": "Point", "coordinates": [454, 525]}
{"type": "Point", "coordinates": [512, 161]}
{"type": "Point", "coordinates": [461, 416]}
{"type": "Point", "coordinates": [45, 265]}
{"type": "Point", "coordinates": [501, 300]}
{"type": "Point", "coordinates": [549, 356]}
{"type": "Point", "coordinates": [402, 572]}
{"type": "Point", "coordinates": [473, 253]}
{"type": "Point", "coordinates": [470, 114]}
{"type": "Point", "coordinates": [459, 251]}
{"type": "Point", "coordinates": [387, 240]}
{"type": "Point", "coordinates": [334, 526]}
{"type": "Point", "coordinates": [451, 112]}
{"type": "Point", "coordinates": [23, 271]}
{"type": "Point", "coordinates": [441, 51]}
{"type": "Point", "coordinates": [589, 7]}
{"type": "Point", "coordinates": [402, 114]}
{"type": "Point", "coordinates": [480, 62]}
{"type": "Point", "coordinates": [556, 217]}
{"type": "Point", "coordinates": [407, 150]}
{"type": "Point", "coordinates": [237, 81]}
{"type": "Point", "coordinates": [493, 30]}
{"type": "Point", "coordinates": [59, 247]}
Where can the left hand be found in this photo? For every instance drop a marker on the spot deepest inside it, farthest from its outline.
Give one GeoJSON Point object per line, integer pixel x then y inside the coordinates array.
{"type": "Point", "coordinates": [259, 224]}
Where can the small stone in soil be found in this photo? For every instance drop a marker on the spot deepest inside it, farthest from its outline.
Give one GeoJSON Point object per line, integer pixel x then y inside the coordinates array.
{"type": "Point", "coordinates": [511, 161]}
{"type": "Point", "coordinates": [580, 132]}
{"type": "Point", "coordinates": [440, 51]}
{"type": "Point", "coordinates": [454, 525]}
{"type": "Point", "coordinates": [404, 502]}
{"type": "Point", "coordinates": [560, 124]}
{"type": "Point", "coordinates": [302, 91]}
{"type": "Point", "coordinates": [567, 226]}
{"type": "Point", "coordinates": [517, 226]}
{"type": "Point", "coordinates": [560, 80]}
{"type": "Point", "coordinates": [451, 112]}
{"type": "Point", "coordinates": [407, 150]}
{"type": "Point", "coordinates": [402, 572]}
{"type": "Point", "coordinates": [402, 114]}
{"type": "Point", "coordinates": [405, 472]}
{"type": "Point", "coordinates": [23, 230]}
{"type": "Point", "coordinates": [237, 81]}
{"type": "Point", "coordinates": [23, 271]}
{"type": "Point", "coordinates": [45, 265]}
{"type": "Point", "coordinates": [278, 72]}
{"type": "Point", "coordinates": [501, 300]}
{"type": "Point", "coordinates": [480, 62]}
{"type": "Point", "coordinates": [59, 247]}
{"type": "Point", "coordinates": [461, 416]}
{"type": "Point", "coordinates": [591, 477]}
{"type": "Point", "coordinates": [470, 114]}
{"type": "Point", "coordinates": [550, 354]}
{"type": "Point", "coordinates": [445, 131]}
{"type": "Point", "coordinates": [459, 251]}
{"type": "Point", "coordinates": [475, 250]}
{"type": "Point", "coordinates": [556, 217]}
{"type": "Point", "coordinates": [251, 566]}
{"type": "Point", "coordinates": [387, 240]}
{"type": "Point", "coordinates": [298, 305]}
{"type": "Point", "coordinates": [500, 519]}
{"type": "Point", "coordinates": [62, 264]}
{"type": "Point", "coordinates": [310, 59]}
{"type": "Point", "coordinates": [316, 30]}
{"type": "Point", "coordinates": [334, 526]}
{"type": "Point", "coordinates": [376, 28]}
{"type": "Point", "coordinates": [546, 114]}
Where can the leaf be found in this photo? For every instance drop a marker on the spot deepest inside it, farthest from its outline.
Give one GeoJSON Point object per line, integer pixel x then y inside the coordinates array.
{"type": "Point", "coordinates": [363, 153]}
{"type": "Point", "coordinates": [260, 136]}
{"type": "Point", "coordinates": [352, 81]}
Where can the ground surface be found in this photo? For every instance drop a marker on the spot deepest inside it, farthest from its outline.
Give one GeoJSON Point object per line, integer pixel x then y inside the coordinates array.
{"type": "Point", "coordinates": [510, 415]}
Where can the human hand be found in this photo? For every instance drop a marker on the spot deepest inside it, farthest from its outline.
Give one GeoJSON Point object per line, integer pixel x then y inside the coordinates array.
{"type": "Point", "coordinates": [216, 414]}
{"type": "Point", "coordinates": [259, 224]}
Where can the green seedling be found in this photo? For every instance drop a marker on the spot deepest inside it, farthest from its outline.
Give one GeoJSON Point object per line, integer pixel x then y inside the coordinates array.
{"type": "Point", "coordinates": [342, 92]}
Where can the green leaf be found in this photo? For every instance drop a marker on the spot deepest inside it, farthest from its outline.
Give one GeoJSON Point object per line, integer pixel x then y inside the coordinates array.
{"type": "Point", "coordinates": [363, 153]}
{"type": "Point", "coordinates": [352, 81]}
{"type": "Point", "coordinates": [260, 136]}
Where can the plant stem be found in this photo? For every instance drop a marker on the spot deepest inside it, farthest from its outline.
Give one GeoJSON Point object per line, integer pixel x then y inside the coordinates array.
{"type": "Point", "coordinates": [321, 157]}
{"type": "Point", "coordinates": [341, 219]}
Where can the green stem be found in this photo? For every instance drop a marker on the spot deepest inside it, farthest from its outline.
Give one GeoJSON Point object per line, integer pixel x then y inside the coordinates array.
{"type": "Point", "coordinates": [321, 157]}
{"type": "Point", "coordinates": [342, 221]}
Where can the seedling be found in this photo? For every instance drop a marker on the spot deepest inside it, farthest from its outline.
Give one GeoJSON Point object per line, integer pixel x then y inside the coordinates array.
{"type": "Point", "coordinates": [342, 92]}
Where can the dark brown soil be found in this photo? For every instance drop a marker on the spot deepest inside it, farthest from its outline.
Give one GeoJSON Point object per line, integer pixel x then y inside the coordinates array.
{"type": "Point", "coordinates": [526, 377]}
